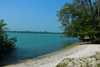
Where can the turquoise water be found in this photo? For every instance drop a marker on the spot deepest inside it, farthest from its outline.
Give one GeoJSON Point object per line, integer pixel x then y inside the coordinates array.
{"type": "Point", "coordinates": [34, 45]}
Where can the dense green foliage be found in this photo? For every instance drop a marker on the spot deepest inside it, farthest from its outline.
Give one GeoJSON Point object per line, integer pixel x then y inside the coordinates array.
{"type": "Point", "coordinates": [5, 43]}
{"type": "Point", "coordinates": [80, 19]}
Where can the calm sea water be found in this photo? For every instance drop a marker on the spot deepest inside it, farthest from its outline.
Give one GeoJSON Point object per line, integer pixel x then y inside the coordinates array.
{"type": "Point", "coordinates": [34, 45]}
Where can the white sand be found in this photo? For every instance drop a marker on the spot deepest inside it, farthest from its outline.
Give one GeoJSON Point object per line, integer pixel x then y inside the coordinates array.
{"type": "Point", "coordinates": [53, 60]}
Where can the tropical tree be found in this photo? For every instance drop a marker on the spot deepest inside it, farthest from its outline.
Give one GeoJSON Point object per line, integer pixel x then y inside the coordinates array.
{"type": "Point", "coordinates": [80, 19]}
{"type": "Point", "coordinates": [5, 43]}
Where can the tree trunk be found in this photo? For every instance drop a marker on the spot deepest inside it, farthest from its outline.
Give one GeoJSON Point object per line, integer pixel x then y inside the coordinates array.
{"type": "Point", "coordinates": [99, 10]}
{"type": "Point", "coordinates": [92, 14]}
{"type": "Point", "coordinates": [82, 39]}
{"type": "Point", "coordinates": [99, 7]}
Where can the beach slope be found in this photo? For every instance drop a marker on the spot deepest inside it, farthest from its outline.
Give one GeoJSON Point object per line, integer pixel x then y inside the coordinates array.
{"type": "Point", "coordinates": [54, 59]}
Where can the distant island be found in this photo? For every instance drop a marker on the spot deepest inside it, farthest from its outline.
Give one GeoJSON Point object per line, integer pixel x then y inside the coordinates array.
{"type": "Point", "coordinates": [34, 32]}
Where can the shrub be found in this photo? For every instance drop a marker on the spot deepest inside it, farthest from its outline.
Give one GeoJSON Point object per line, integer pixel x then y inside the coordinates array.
{"type": "Point", "coordinates": [5, 43]}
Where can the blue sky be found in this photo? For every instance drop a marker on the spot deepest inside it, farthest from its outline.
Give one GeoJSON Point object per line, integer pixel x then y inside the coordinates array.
{"type": "Point", "coordinates": [31, 15]}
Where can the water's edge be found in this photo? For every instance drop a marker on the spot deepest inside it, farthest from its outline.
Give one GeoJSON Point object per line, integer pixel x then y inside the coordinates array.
{"type": "Point", "coordinates": [64, 49]}
{"type": "Point", "coordinates": [56, 52]}
{"type": "Point", "coordinates": [50, 54]}
{"type": "Point", "coordinates": [43, 45]}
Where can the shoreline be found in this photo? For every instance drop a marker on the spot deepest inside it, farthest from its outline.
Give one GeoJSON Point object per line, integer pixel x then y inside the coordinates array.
{"type": "Point", "coordinates": [46, 55]}
{"type": "Point", "coordinates": [51, 60]}
{"type": "Point", "coordinates": [61, 50]}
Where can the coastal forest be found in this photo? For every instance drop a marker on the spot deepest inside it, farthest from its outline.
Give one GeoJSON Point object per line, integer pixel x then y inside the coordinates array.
{"type": "Point", "coordinates": [81, 19]}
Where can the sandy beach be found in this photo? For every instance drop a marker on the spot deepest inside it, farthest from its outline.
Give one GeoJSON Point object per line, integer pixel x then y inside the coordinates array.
{"type": "Point", "coordinates": [51, 60]}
